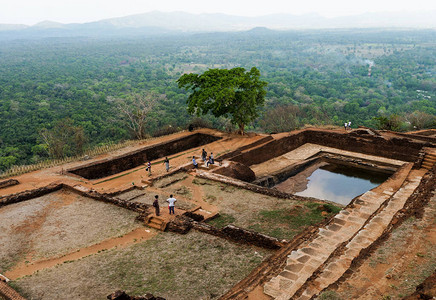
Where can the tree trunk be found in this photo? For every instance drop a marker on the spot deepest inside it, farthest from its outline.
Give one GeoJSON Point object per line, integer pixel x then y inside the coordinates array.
{"type": "Point", "coordinates": [241, 128]}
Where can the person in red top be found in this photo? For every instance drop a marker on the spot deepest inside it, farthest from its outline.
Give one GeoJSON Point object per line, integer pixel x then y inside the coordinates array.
{"type": "Point", "coordinates": [156, 205]}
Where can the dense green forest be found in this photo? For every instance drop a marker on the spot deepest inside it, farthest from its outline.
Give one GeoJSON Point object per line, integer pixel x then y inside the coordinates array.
{"type": "Point", "coordinates": [314, 77]}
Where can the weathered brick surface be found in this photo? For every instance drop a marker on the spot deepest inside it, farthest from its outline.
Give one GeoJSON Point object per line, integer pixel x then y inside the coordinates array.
{"type": "Point", "coordinates": [9, 293]}
{"type": "Point", "coordinates": [183, 224]}
{"type": "Point", "coordinates": [9, 182]}
{"type": "Point", "coordinates": [30, 194]}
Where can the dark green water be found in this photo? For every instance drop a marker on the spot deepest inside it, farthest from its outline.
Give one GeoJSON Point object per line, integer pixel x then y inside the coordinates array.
{"type": "Point", "coordinates": [340, 184]}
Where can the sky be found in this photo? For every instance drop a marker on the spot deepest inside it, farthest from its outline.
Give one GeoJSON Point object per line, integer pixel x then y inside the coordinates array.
{"type": "Point", "coordinates": [30, 12]}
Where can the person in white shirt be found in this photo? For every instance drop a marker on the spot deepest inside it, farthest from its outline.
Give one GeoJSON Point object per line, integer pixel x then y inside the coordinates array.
{"type": "Point", "coordinates": [171, 200]}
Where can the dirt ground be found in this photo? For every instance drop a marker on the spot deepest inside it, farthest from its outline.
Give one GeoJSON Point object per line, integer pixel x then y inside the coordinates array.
{"type": "Point", "coordinates": [397, 266]}
{"type": "Point", "coordinates": [192, 266]}
{"type": "Point", "coordinates": [57, 224]}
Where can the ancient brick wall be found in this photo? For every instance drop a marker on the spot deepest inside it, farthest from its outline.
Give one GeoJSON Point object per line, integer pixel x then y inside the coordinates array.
{"type": "Point", "coordinates": [230, 232]}
{"type": "Point", "coordinates": [395, 148]}
{"type": "Point", "coordinates": [271, 149]}
{"type": "Point", "coordinates": [136, 158]}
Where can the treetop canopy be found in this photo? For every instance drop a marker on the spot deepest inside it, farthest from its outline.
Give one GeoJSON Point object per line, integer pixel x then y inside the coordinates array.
{"type": "Point", "coordinates": [223, 92]}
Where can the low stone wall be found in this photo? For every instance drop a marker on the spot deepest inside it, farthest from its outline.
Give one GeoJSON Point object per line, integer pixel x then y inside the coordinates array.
{"type": "Point", "coordinates": [133, 206]}
{"type": "Point", "coordinates": [230, 232]}
{"type": "Point", "coordinates": [136, 158]}
{"type": "Point", "coordinates": [30, 194]}
{"type": "Point", "coordinates": [7, 183]}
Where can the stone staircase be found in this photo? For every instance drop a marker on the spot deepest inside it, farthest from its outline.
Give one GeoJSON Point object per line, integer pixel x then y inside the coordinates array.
{"type": "Point", "coordinates": [156, 222]}
{"type": "Point", "coordinates": [325, 259]}
{"type": "Point", "coordinates": [429, 159]}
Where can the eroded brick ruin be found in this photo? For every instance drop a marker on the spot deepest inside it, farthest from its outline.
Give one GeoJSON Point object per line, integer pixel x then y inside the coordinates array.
{"type": "Point", "coordinates": [318, 257]}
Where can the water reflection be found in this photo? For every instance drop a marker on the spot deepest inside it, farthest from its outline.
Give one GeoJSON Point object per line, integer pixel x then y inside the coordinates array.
{"type": "Point", "coordinates": [341, 184]}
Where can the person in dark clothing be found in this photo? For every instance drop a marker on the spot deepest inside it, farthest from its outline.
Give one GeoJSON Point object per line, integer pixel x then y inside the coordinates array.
{"type": "Point", "coordinates": [156, 205]}
{"type": "Point", "coordinates": [167, 163]}
{"type": "Point", "coordinates": [204, 155]}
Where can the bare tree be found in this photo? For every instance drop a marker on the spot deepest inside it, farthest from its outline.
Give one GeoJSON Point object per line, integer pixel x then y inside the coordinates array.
{"type": "Point", "coordinates": [136, 110]}
{"type": "Point", "coordinates": [281, 119]}
{"type": "Point", "coordinates": [421, 120]}
{"type": "Point", "coordinates": [64, 139]}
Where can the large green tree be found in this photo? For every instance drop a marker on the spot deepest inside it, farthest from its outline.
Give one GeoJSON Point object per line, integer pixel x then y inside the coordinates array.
{"type": "Point", "coordinates": [236, 93]}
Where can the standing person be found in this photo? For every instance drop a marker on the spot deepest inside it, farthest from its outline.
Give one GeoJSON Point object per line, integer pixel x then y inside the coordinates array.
{"type": "Point", "coordinates": [204, 155]}
{"type": "Point", "coordinates": [156, 205]}
{"type": "Point", "coordinates": [345, 126]}
{"type": "Point", "coordinates": [211, 158]}
{"type": "Point", "coordinates": [167, 163]}
{"type": "Point", "coordinates": [171, 202]}
{"type": "Point", "coordinates": [149, 168]}
{"type": "Point", "coordinates": [194, 162]}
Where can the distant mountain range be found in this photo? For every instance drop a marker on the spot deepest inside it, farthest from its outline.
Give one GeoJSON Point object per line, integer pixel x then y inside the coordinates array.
{"type": "Point", "coordinates": [161, 23]}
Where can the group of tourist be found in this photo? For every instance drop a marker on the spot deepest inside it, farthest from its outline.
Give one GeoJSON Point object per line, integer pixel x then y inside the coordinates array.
{"type": "Point", "coordinates": [347, 125]}
{"type": "Point", "coordinates": [208, 160]}
{"type": "Point", "coordinates": [171, 204]}
{"type": "Point", "coordinates": [166, 163]}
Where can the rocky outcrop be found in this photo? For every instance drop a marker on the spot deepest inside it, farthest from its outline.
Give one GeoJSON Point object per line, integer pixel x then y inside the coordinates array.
{"type": "Point", "coordinates": [236, 170]}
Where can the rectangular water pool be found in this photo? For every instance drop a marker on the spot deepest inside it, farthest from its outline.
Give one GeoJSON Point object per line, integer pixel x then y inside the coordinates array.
{"type": "Point", "coordinates": [334, 182]}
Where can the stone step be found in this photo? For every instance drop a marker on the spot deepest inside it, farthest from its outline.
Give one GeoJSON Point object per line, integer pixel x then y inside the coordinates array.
{"type": "Point", "coordinates": [363, 239]}
{"type": "Point", "coordinates": [340, 230]}
{"type": "Point", "coordinates": [427, 166]}
{"type": "Point", "coordinates": [156, 222]}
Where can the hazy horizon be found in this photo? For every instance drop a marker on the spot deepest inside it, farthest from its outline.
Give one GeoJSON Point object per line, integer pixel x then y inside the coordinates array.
{"type": "Point", "coordinates": [29, 12]}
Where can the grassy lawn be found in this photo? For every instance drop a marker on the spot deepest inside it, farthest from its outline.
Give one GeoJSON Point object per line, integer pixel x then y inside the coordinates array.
{"type": "Point", "coordinates": [284, 223]}
{"type": "Point", "coordinates": [281, 218]}
{"type": "Point", "coordinates": [192, 266]}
